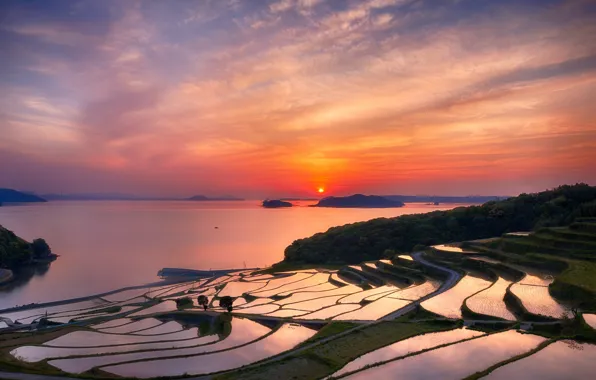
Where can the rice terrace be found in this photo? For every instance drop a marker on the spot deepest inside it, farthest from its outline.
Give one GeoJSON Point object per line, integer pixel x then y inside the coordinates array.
{"type": "Point", "coordinates": [491, 307]}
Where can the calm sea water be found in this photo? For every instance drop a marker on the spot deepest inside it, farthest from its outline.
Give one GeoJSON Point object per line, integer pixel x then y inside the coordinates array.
{"type": "Point", "coordinates": [109, 245]}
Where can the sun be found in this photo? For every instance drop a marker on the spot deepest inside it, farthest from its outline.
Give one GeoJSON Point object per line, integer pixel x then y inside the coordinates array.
{"type": "Point", "coordinates": [321, 190]}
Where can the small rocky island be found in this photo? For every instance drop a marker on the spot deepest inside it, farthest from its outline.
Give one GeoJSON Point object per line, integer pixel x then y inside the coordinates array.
{"type": "Point", "coordinates": [275, 203]}
{"type": "Point", "coordinates": [16, 253]}
{"type": "Point", "coordinates": [359, 201]}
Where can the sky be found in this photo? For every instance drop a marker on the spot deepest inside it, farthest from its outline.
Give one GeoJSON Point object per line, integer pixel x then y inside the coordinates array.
{"type": "Point", "coordinates": [278, 98]}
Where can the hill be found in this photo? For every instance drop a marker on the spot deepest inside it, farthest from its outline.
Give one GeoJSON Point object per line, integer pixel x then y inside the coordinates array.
{"type": "Point", "coordinates": [359, 201]}
{"type": "Point", "coordinates": [10, 195]}
{"type": "Point", "coordinates": [374, 239]}
{"type": "Point", "coordinates": [16, 252]}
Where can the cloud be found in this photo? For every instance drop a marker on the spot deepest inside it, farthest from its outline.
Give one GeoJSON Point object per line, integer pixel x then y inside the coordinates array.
{"type": "Point", "coordinates": [361, 95]}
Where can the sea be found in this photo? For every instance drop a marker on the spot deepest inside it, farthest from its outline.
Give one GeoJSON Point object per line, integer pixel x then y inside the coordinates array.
{"type": "Point", "coordinates": [107, 245]}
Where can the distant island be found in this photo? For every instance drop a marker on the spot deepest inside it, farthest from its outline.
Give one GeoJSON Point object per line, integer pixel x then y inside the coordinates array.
{"type": "Point", "coordinates": [14, 196]}
{"type": "Point", "coordinates": [205, 198]}
{"type": "Point", "coordinates": [16, 253]}
{"type": "Point", "coordinates": [358, 201]}
{"type": "Point", "coordinates": [276, 203]}
{"type": "Point", "coordinates": [130, 197]}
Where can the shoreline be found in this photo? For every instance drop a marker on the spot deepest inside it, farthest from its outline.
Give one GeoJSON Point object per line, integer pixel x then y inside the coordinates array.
{"type": "Point", "coordinates": [6, 276]}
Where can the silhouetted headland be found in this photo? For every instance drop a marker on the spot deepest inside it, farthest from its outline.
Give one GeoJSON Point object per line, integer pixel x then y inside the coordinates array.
{"type": "Point", "coordinates": [10, 196]}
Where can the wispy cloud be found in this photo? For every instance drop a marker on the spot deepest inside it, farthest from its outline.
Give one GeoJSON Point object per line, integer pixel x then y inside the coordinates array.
{"type": "Point", "coordinates": [379, 95]}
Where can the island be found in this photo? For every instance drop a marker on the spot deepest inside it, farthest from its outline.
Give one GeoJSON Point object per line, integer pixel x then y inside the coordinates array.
{"type": "Point", "coordinates": [14, 196]}
{"type": "Point", "coordinates": [17, 253]}
{"type": "Point", "coordinates": [358, 201]}
{"type": "Point", "coordinates": [275, 203]}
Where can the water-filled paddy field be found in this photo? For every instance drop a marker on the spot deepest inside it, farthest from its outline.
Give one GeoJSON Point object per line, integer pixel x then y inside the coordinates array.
{"type": "Point", "coordinates": [150, 332]}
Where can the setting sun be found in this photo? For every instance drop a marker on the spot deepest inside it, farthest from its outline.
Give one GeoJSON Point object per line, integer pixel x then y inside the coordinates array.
{"type": "Point", "coordinates": [321, 190]}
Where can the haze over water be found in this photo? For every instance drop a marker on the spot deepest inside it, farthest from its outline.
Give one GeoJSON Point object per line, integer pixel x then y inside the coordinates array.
{"type": "Point", "coordinates": [109, 245]}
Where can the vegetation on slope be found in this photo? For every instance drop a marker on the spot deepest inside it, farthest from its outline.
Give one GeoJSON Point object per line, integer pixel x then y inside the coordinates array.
{"type": "Point", "coordinates": [16, 252]}
{"type": "Point", "coordinates": [354, 243]}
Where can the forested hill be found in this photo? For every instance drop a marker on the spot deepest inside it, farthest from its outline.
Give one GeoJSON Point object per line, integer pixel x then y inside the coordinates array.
{"type": "Point", "coordinates": [354, 243]}
{"type": "Point", "coordinates": [16, 252]}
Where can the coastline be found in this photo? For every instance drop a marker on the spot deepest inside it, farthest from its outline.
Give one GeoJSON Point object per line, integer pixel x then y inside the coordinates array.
{"type": "Point", "coordinates": [6, 276]}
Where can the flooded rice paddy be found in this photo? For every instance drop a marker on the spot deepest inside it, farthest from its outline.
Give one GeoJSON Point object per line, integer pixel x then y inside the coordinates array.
{"type": "Point", "coordinates": [455, 361]}
{"type": "Point", "coordinates": [449, 303]}
{"type": "Point", "coordinates": [286, 337]}
{"type": "Point", "coordinates": [408, 346]}
{"type": "Point", "coordinates": [590, 320]}
{"type": "Point", "coordinates": [537, 300]}
{"type": "Point", "coordinates": [136, 332]}
{"type": "Point", "coordinates": [559, 360]}
{"type": "Point", "coordinates": [490, 301]}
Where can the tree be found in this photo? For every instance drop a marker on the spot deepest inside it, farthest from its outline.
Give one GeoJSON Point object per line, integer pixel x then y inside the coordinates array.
{"type": "Point", "coordinates": [226, 302]}
{"type": "Point", "coordinates": [203, 301]}
{"type": "Point", "coordinates": [183, 303]}
{"type": "Point", "coordinates": [40, 248]}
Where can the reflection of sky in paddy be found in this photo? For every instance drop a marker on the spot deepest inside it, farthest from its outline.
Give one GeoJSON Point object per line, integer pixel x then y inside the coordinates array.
{"type": "Point", "coordinates": [374, 310]}
{"type": "Point", "coordinates": [447, 248]}
{"type": "Point", "coordinates": [164, 306]}
{"type": "Point", "coordinates": [360, 295]}
{"type": "Point", "coordinates": [416, 292]}
{"type": "Point", "coordinates": [28, 315]}
{"type": "Point", "coordinates": [285, 338]}
{"type": "Point", "coordinates": [335, 277]}
{"type": "Point", "coordinates": [330, 311]}
{"type": "Point", "coordinates": [315, 288]}
{"type": "Point", "coordinates": [285, 313]}
{"type": "Point", "coordinates": [537, 300]}
{"type": "Point", "coordinates": [261, 309]}
{"type": "Point", "coordinates": [314, 304]}
{"type": "Point", "coordinates": [449, 303]}
{"type": "Point", "coordinates": [134, 326]}
{"type": "Point", "coordinates": [590, 320]}
{"type": "Point", "coordinates": [456, 361]}
{"type": "Point", "coordinates": [93, 338]}
{"type": "Point", "coordinates": [237, 288]}
{"type": "Point", "coordinates": [404, 347]}
{"type": "Point", "coordinates": [37, 353]}
{"type": "Point", "coordinates": [297, 281]}
{"type": "Point", "coordinates": [559, 360]}
{"type": "Point", "coordinates": [490, 301]}
{"type": "Point", "coordinates": [297, 297]}
{"type": "Point", "coordinates": [243, 331]}
{"type": "Point", "coordinates": [542, 280]}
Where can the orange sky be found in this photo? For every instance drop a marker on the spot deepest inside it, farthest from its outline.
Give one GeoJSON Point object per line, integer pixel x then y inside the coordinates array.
{"type": "Point", "coordinates": [265, 99]}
